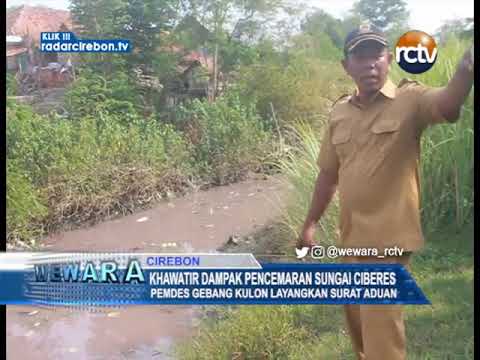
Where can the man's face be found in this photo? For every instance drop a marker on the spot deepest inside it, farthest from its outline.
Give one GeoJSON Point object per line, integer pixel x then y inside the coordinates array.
{"type": "Point", "coordinates": [368, 64]}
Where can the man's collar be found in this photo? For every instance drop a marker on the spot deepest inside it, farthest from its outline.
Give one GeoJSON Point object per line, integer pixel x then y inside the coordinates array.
{"type": "Point", "coordinates": [388, 90]}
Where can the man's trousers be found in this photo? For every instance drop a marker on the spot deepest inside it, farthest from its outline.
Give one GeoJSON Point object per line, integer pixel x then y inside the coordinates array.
{"type": "Point", "coordinates": [377, 332]}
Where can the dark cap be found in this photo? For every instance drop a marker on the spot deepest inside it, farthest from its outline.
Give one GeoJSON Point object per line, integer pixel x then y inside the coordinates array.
{"type": "Point", "coordinates": [362, 33]}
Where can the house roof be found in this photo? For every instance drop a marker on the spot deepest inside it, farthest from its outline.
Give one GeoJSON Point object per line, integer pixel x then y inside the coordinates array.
{"type": "Point", "coordinates": [189, 58]}
{"type": "Point", "coordinates": [14, 39]}
{"type": "Point", "coordinates": [29, 21]}
{"type": "Point", "coordinates": [195, 58]}
{"type": "Point", "coordinates": [16, 51]}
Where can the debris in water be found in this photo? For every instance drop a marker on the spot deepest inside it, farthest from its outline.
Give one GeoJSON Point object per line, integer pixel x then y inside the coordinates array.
{"type": "Point", "coordinates": [142, 219]}
{"type": "Point", "coordinates": [251, 194]}
{"type": "Point", "coordinates": [233, 239]}
{"type": "Point", "coordinates": [113, 314]}
{"type": "Point", "coordinates": [209, 226]}
{"type": "Point", "coordinates": [36, 324]}
{"type": "Point", "coordinates": [34, 312]}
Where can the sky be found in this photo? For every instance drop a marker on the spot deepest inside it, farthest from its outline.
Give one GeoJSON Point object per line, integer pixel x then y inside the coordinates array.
{"type": "Point", "coordinates": [425, 15]}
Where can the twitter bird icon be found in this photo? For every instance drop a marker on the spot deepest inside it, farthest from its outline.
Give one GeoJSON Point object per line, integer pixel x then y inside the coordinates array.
{"type": "Point", "coordinates": [301, 253]}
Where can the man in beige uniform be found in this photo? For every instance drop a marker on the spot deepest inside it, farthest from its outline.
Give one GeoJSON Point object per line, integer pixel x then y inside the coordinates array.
{"type": "Point", "coordinates": [370, 153]}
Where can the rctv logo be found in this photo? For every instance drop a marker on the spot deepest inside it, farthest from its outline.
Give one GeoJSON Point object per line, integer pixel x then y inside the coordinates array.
{"type": "Point", "coordinates": [416, 52]}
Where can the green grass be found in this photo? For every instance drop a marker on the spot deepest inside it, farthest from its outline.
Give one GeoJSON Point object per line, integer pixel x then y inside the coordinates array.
{"type": "Point", "coordinates": [441, 331]}
{"type": "Point", "coordinates": [444, 271]}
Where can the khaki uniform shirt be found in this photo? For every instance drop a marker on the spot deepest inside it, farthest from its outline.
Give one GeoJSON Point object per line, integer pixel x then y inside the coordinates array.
{"type": "Point", "coordinates": [374, 153]}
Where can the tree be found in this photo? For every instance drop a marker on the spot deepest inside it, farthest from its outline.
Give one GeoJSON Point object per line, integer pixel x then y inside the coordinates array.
{"type": "Point", "coordinates": [385, 14]}
{"type": "Point", "coordinates": [146, 24]}
{"type": "Point", "coordinates": [99, 19]}
{"type": "Point", "coordinates": [319, 46]}
{"type": "Point", "coordinates": [350, 22]}
{"type": "Point", "coordinates": [146, 21]}
{"type": "Point", "coordinates": [463, 28]}
{"type": "Point", "coordinates": [140, 21]}
{"type": "Point", "coordinates": [320, 22]}
{"type": "Point", "coordinates": [234, 27]}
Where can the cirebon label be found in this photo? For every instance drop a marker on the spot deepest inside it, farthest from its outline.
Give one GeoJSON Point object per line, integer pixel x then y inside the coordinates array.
{"type": "Point", "coordinates": [416, 52]}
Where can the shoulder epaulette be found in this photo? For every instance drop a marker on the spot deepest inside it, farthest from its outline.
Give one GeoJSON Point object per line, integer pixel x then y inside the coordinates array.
{"type": "Point", "coordinates": [406, 82]}
{"type": "Point", "coordinates": [343, 97]}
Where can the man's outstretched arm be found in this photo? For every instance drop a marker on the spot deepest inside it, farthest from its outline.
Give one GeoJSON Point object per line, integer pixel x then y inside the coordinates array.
{"type": "Point", "coordinates": [450, 99]}
{"type": "Point", "coordinates": [325, 187]}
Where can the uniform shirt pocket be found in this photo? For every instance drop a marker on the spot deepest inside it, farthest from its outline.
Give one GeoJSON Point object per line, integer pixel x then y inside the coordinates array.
{"type": "Point", "coordinates": [384, 126]}
{"type": "Point", "coordinates": [341, 139]}
{"type": "Point", "coordinates": [384, 142]}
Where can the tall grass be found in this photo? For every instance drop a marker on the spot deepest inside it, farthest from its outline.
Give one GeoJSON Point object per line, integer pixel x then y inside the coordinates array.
{"type": "Point", "coordinates": [446, 165]}
{"type": "Point", "coordinates": [300, 170]}
{"type": "Point", "coordinates": [447, 173]}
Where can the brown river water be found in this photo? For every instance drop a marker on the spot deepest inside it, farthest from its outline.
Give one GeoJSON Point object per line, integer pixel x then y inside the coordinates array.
{"type": "Point", "coordinates": [201, 221]}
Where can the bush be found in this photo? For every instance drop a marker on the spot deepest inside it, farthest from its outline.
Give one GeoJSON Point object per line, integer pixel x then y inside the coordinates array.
{"type": "Point", "coordinates": [12, 86]}
{"type": "Point", "coordinates": [24, 203]}
{"type": "Point", "coordinates": [304, 88]}
{"type": "Point", "coordinates": [105, 158]}
{"type": "Point", "coordinates": [229, 139]}
{"type": "Point", "coordinates": [92, 91]}
{"type": "Point", "coordinates": [91, 168]}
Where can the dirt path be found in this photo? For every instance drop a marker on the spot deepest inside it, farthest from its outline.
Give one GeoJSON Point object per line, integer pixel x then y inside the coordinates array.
{"type": "Point", "coordinates": [201, 221]}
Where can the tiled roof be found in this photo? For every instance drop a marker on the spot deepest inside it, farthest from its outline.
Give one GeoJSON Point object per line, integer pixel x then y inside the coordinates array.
{"type": "Point", "coordinates": [30, 21]}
